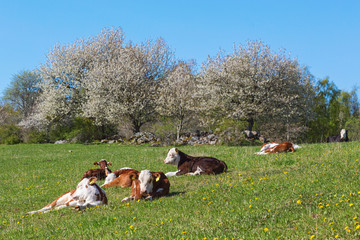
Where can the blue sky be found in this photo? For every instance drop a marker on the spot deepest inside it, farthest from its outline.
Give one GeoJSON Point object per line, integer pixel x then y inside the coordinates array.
{"type": "Point", "coordinates": [324, 35]}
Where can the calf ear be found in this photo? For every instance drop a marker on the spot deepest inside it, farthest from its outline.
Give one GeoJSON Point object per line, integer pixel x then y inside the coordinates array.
{"type": "Point", "coordinates": [92, 180]}
{"type": "Point", "coordinates": [96, 163]}
{"type": "Point", "coordinates": [133, 176]}
{"type": "Point", "coordinates": [176, 150]}
{"type": "Point", "coordinates": [157, 176]}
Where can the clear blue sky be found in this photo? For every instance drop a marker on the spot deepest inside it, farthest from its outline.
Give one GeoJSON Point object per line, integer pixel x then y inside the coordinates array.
{"type": "Point", "coordinates": [324, 35]}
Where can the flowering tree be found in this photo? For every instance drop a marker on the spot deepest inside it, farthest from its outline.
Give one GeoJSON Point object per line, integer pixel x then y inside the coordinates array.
{"type": "Point", "coordinates": [63, 75]}
{"type": "Point", "coordinates": [254, 84]}
{"type": "Point", "coordinates": [176, 98]}
{"type": "Point", "coordinates": [127, 85]}
{"type": "Point", "coordinates": [102, 78]}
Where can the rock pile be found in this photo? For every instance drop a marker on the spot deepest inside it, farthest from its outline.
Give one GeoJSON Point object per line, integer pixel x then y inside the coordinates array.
{"type": "Point", "coordinates": [254, 135]}
{"type": "Point", "coordinates": [198, 138]}
{"type": "Point", "coordinates": [143, 137]}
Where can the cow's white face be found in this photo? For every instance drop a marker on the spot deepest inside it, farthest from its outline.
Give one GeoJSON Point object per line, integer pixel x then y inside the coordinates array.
{"type": "Point", "coordinates": [173, 157]}
{"type": "Point", "coordinates": [343, 134]}
{"type": "Point", "coordinates": [146, 181]}
{"type": "Point", "coordinates": [85, 188]}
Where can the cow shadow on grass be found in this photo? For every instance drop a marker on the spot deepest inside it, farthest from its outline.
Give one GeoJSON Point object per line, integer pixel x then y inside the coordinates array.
{"type": "Point", "coordinates": [173, 194]}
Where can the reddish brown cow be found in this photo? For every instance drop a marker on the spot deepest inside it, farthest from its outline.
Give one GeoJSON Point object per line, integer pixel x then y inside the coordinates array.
{"type": "Point", "coordinates": [149, 185]}
{"type": "Point", "coordinates": [99, 173]}
{"type": "Point", "coordinates": [125, 178]}
{"type": "Point", "coordinates": [274, 147]}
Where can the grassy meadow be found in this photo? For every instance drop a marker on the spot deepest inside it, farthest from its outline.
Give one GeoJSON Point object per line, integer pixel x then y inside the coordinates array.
{"type": "Point", "coordinates": [313, 193]}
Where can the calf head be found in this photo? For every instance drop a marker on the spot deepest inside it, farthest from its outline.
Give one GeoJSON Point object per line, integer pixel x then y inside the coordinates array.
{"type": "Point", "coordinates": [102, 163]}
{"type": "Point", "coordinates": [146, 179]}
{"type": "Point", "coordinates": [84, 188]}
{"type": "Point", "coordinates": [343, 134]}
{"type": "Point", "coordinates": [173, 157]}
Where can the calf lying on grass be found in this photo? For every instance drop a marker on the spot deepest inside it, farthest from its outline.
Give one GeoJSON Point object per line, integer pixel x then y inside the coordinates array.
{"type": "Point", "coordinates": [149, 185]}
{"type": "Point", "coordinates": [187, 164]}
{"type": "Point", "coordinates": [99, 173]}
{"type": "Point", "coordinates": [86, 194]}
{"type": "Point", "coordinates": [342, 137]}
{"type": "Point", "coordinates": [121, 178]}
{"type": "Point", "coordinates": [274, 147]}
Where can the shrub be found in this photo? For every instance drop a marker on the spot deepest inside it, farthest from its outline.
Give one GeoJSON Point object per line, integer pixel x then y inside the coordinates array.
{"type": "Point", "coordinates": [35, 136]}
{"type": "Point", "coordinates": [10, 134]}
{"type": "Point", "coordinates": [353, 127]}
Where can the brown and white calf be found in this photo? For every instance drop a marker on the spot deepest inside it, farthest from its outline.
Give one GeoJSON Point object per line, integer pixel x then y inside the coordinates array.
{"type": "Point", "coordinates": [86, 194]}
{"type": "Point", "coordinates": [149, 185]}
{"type": "Point", "coordinates": [121, 178]}
{"type": "Point", "coordinates": [274, 147]}
{"type": "Point", "coordinates": [99, 173]}
{"type": "Point", "coordinates": [187, 164]}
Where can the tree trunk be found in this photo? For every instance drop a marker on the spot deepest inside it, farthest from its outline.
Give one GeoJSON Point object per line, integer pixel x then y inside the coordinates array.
{"type": "Point", "coordinates": [250, 124]}
{"type": "Point", "coordinates": [179, 128]}
{"type": "Point", "coordinates": [136, 126]}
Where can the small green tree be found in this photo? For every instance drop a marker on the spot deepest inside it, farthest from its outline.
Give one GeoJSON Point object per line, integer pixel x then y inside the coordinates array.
{"type": "Point", "coordinates": [326, 109]}
{"type": "Point", "coordinates": [23, 91]}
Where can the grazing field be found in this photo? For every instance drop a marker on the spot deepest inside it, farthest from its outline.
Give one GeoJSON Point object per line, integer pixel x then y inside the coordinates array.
{"type": "Point", "coordinates": [313, 193]}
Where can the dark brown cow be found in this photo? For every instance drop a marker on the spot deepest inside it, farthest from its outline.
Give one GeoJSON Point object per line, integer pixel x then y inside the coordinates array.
{"type": "Point", "coordinates": [342, 137]}
{"type": "Point", "coordinates": [187, 164]}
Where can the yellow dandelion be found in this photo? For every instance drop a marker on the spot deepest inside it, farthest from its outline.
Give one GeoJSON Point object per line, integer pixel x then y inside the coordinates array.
{"type": "Point", "coordinates": [336, 236]}
{"type": "Point", "coordinates": [131, 226]}
{"type": "Point", "coordinates": [357, 227]}
{"type": "Point", "coordinates": [298, 201]}
{"type": "Point", "coordinates": [266, 229]}
{"type": "Point", "coordinates": [350, 205]}
{"type": "Point", "coordinates": [312, 236]}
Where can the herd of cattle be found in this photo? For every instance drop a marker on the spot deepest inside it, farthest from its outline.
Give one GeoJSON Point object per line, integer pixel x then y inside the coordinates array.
{"type": "Point", "coordinates": [146, 184]}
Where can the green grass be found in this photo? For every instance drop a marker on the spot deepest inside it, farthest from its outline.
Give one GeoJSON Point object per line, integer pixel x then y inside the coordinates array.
{"type": "Point", "coordinates": [312, 193]}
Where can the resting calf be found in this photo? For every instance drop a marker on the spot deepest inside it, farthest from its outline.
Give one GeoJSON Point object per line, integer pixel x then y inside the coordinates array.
{"type": "Point", "coordinates": [343, 137]}
{"type": "Point", "coordinates": [187, 164]}
{"type": "Point", "coordinates": [99, 173]}
{"type": "Point", "coordinates": [274, 147]}
{"type": "Point", "coordinates": [149, 185]}
{"type": "Point", "coordinates": [121, 178]}
{"type": "Point", "coordinates": [86, 194]}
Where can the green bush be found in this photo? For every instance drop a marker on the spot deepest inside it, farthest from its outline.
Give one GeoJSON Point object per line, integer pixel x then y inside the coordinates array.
{"type": "Point", "coordinates": [35, 136]}
{"type": "Point", "coordinates": [10, 134]}
{"type": "Point", "coordinates": [353, 127]}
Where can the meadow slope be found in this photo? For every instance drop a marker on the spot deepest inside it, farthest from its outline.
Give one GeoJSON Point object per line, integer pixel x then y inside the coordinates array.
{"type": "Point", "coordinates": [313, 193]}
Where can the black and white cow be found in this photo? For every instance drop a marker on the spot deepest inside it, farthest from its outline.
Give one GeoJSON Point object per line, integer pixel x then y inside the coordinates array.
{"type": "Point", "coordinates": [342, 137]}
